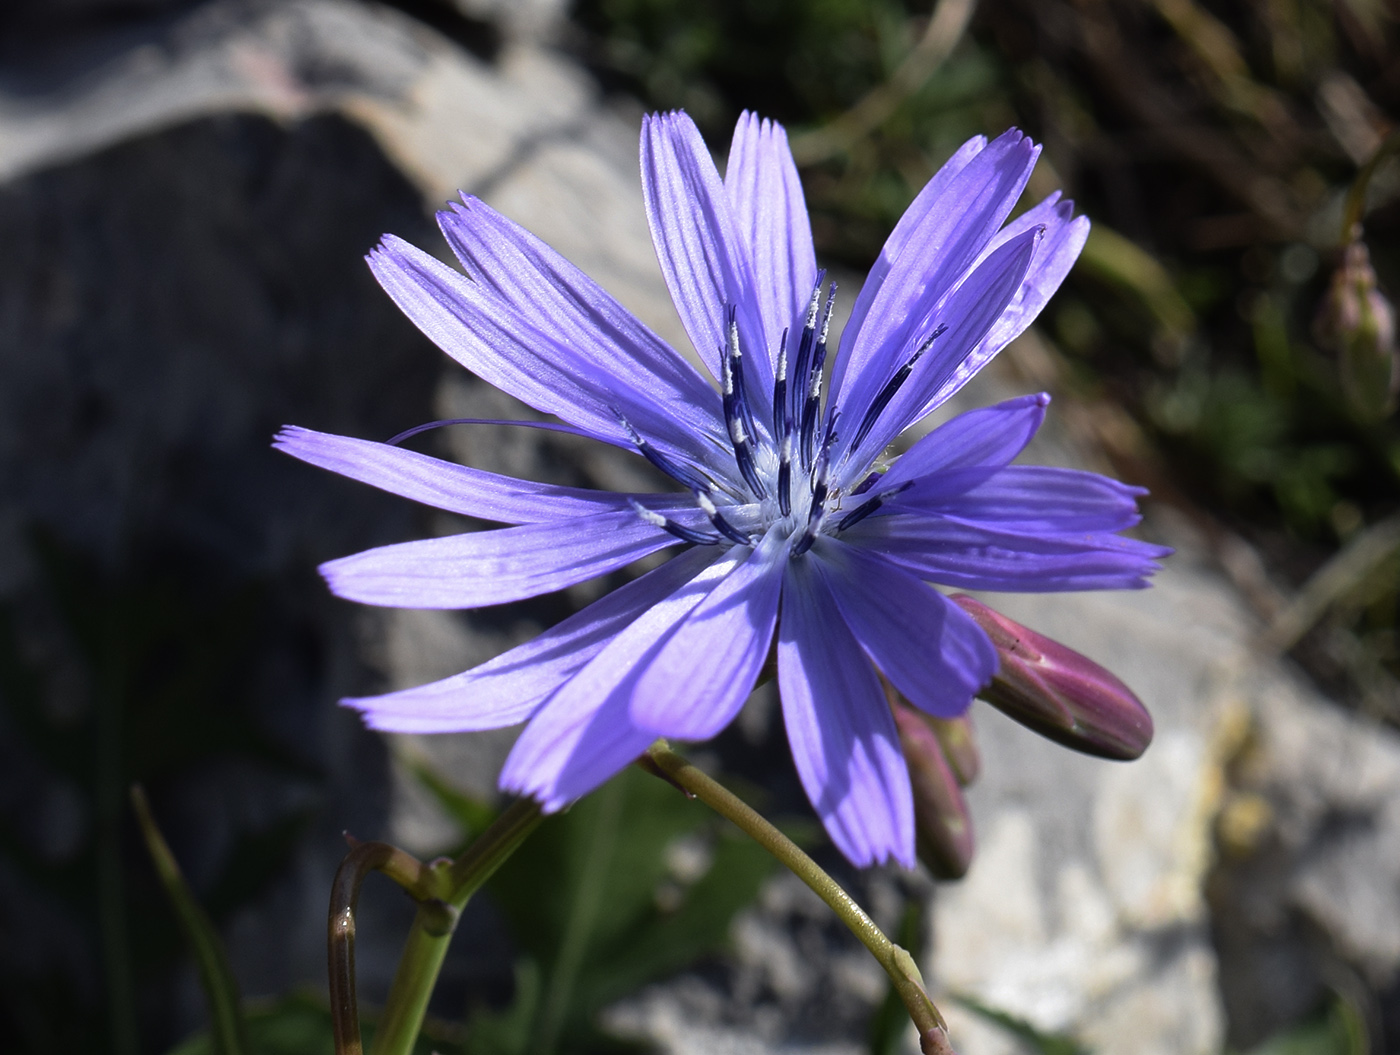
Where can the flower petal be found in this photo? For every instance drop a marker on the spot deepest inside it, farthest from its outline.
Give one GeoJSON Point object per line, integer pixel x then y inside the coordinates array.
{"type": "Point", "coordinates": [563, 302]}
{"type": "Point", "coordinates": [457, 488]}
{"type": "Point", "coordinates": [487, 336]}
{"type": "Point", "coordinates": [770, 213]}
{"type": "Point", "coordinates": [1029, 499]}
{"type": "Point", "coordinates": [839, 725]}
{"type": "Point", "coordinates": [703, 257]}
{"type": "Point", "coordinates": [706, 670]}
{"type": "Point", "coordinates": [970, 311]}
{"type": "Point", "coordinates": [928, 199]}
{"type": "Point", "coordinates": [1059, 249]}
{"type": "Point", "coordinates": [950, 236]}
{"type": "Point", "coordinates": [928, 647]}
{"type": "Point", "coordinates": [986, 438]}
{"type": "Point", "coordinates": [509, 688]}
{"type": "Point", "coordinates": [494, 567]}
{"type": "Point", "coordinates": [583, 734]}
{"type": "Point", "coordinates": [952, 552]}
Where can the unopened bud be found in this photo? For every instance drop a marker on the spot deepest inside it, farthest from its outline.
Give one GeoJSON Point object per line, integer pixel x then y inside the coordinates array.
{"type": "Point", "coordinates": [1356, 323]}
{"type": "Point", "coordinates": [959, 745]}
{"type": "Point", "coordinates": [942, 826]}
{"type": "Point", "coordinates": [935, 1042]}
{"type": "Point", "coordinates": [1058, 692]}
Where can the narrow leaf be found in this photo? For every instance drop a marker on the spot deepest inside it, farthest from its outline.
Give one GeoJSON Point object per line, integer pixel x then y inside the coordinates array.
{"type": "Point", "coordinates": [227, 1028]}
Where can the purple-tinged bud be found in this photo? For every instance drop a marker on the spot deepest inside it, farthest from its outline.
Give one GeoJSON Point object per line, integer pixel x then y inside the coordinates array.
{"type": "Point", "coordinates": [1058, 692]}
{"type": "Point", "coordinates": [1356, 323]}
{"type": "Point", "coordinates": [935, 1042]}
{"type": "Point", "coordinates": [959, 745]}
{"type": "Point", "coordinates": [942, 825]}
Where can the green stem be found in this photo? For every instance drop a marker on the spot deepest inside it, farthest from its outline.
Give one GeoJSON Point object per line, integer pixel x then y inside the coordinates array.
{"type": "Point", "coordinates": [441, 889]}
{"type": "Point", "coordinates": [345, 895]}
{"type": "Point", "coordinates": [898, 964]}
{"type": "Point", "coordinates": [419, 964]}
{"type": "Point", "coordinates": [1356, 197]}
{"type": "Point", "coordinates": [481, 859]}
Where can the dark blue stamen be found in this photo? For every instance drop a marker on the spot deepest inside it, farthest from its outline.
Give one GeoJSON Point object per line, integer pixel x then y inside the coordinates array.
{"type": "Point", "coordinates": [860, 512]}
{"type": "Point", "coordinates": [817, 510]}
{"type": "Point", "coordinates": [735, 389]}
{"type": "Point", "coordinates": [828, 438]}
{"type": "Point", "coordinates": [881, 401]}
{"type": "Point", "coordinates": [785, 471]}
{"type": "Point", "coordinates": [736, 415]}
{"type": "Point", "coordinates": [671, 468]}
{"type": "Point", "coordinates": [547, 426]}
{"type": "Point", "coordinates": [723, 526]}
{"type": "Point", "coordinates": [743, 457]}
{"type": "Point", "coordinates": [812, 407]}
{"type": "Point", "coordinates": [809, 533]}
{"type": "Point", "coordinates": [866, 484]}
{"type": "Point", "coordinates": [797, 391]}
{"type": "Point", "coordinates": [685, 534]}
{"type": "Point", "coordinates": [780, 388]}
{"type": "Point", "coordinates": [809, 420]}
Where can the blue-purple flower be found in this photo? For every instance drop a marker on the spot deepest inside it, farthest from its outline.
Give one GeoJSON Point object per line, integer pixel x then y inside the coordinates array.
{"type": "Point", "coordinates": [795, 527]}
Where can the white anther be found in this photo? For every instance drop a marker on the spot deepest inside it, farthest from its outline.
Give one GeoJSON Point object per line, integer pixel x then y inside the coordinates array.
{"type": "Point", "coordinates": [652, 517]}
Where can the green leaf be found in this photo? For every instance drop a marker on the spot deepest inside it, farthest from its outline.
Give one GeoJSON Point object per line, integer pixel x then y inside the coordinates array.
{"type": "Point", "coordinates": [1341, 1030]}
{"type": "Point", "coordinates": [598, 910]}
{"type": "Point", "coordinates": [228, 1034]}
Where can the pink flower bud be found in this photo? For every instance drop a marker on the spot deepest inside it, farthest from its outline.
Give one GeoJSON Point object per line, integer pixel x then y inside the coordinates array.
{"type": "Point", "coordinates": [942, 826]}
{"type": "Point", "coordinates": [959, 745]}
{"type": "Point", "coordinates": [1356, 323]}
{"type": "Point", "coordinates": [1058, 692]}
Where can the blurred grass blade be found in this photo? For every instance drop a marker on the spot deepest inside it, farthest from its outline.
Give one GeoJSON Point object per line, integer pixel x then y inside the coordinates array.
{"type": "Point", "coordinates": [1115, 259]}
{"type": "Point", "coordinates": [471, 816]}
{"type": "Point", "coordinates": [1037, 1040]}
{"type": "Point", "coordinates": [226, 1026]}
{"type": "Point", "coordinates": [946, 27]}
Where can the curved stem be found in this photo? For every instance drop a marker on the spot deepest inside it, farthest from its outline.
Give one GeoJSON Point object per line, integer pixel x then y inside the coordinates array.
{"type": "Point", "coordinates": [345, 894]}
{"type": "Point", "coordinates": [453, 884]}
{"type": "Point", "coordinates": [1356, 197]}
{"type": "Point", "coordinates": [441, 888]}
{"type": "Point", "coordinates": [898, 964]}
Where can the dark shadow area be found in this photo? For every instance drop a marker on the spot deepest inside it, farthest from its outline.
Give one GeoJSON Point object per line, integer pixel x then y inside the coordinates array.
{"type": "Point", "coordinates": [165, 306]}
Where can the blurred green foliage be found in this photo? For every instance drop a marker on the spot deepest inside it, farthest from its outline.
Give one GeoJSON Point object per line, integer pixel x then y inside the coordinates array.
{"type": "Point", "coordinates": [106, 679]}
{"type": "Point", "coordinates": [631, 884]}
{"type": "Point", "coordinates": [1339, 1030]}
{"type": "Point", "coordinates": [627, 886]}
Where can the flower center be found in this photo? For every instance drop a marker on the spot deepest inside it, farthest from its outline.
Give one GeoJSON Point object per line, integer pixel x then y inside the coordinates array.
{"type": "Point", "coordinates": [785, 463]}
